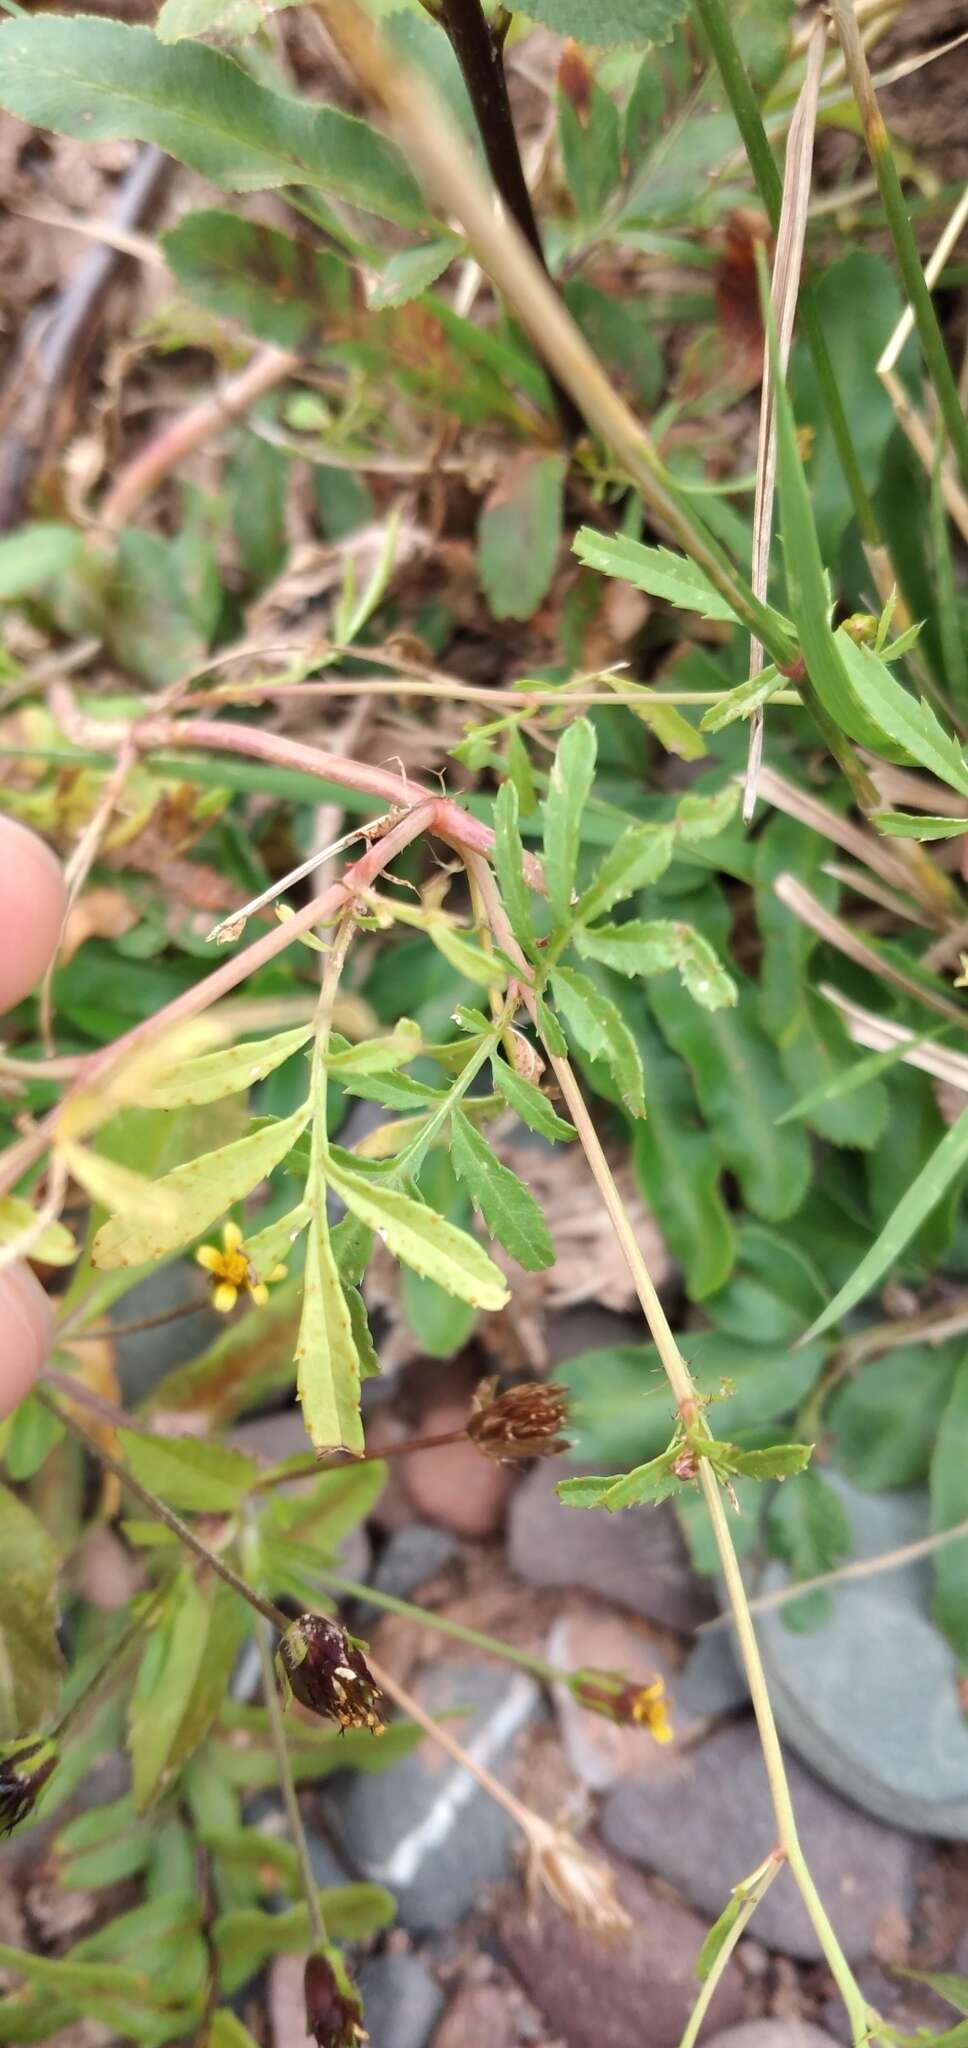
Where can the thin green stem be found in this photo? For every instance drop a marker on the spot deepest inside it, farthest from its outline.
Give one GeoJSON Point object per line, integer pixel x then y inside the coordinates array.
{"type": "Point", "coordinates": [759, 1886]}
{"type": "Point", "coordinates": [270, 1693]}
{"type": "Point", "coordinates": [353, 1589]}
{"type": "Point", "coordinates": [932, 341]}
{"type": "Point", "coordinates": [746, 112]}
{"type": "Point", "coordinates": [182, 1530]}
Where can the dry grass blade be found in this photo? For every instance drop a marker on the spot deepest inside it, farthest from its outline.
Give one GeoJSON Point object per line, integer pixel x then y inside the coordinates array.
{"type": "Point", "coordinates": [836, 933]}
{"type": "Point", "coordinates": [787, 267]}
{"type": "Point", "coordinates": [881, 1034]}
{"type": "Point", "coordinates": [860, 1568]}
{"type": "Point", "coordinates": [864, 846]}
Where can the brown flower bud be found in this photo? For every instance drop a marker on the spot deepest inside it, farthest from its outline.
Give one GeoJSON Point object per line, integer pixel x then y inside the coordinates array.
{"type": "Point", "coordinates": [523, 1422]}
{"type": "Point", "coordinates": [332, 2008]}
{"type": "Point", "coordinates": [686, 1465]}
{"type": "Point", "coordinates": [21, 1785]}
{"type": "Point", "coordinates": [328, 1673]}
{"type": "Point", "coordinates": [620, 1699]}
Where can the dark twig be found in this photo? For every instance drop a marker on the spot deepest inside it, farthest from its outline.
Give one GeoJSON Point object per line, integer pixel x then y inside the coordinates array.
{"type": "Point", "coordinates": [478, 46]}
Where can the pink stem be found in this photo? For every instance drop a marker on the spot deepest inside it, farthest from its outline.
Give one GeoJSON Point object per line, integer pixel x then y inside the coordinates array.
{"type": "Point", "coordinates": [450, 822]}
{"type": "Point", "coordinates": [190, 430]}
{"type": "Point", "coordinates": [353, 881]}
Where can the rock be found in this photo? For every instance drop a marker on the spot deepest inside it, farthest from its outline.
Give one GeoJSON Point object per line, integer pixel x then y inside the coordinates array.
{"type": "Point", "coordinates": [597, 1994]}
{"type": "Point", "coordinates": [413, 1556]}
{"type": "Point", "coordinates": [427, 1829]}
{"type": "Point", "coordinates": [773, 2034]}
{"type": "Point", "coordinates": [145, 1357]}
{"type": "Point", "coordinates": [599, 1750]}
{"type": "Point", "coordinates": [401, 2001]}
{"type": "Point", "coordinates": [286, 2000]}
{"type": "Point", "coordinates": [705, 1822]}
{"type": "Point", "coordinates": [870, 1699]}
{"type": "Point", "coordinates": [711, 1680]}
{"type": "Point", "coordinates": [455, 1485]}
{"type": "Point", "coordinates": [479, 2017]}
{"type": "Point", "coordinates": [637, 1559]}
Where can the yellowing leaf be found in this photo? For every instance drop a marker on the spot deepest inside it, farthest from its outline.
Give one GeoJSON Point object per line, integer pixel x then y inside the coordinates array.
{"type": "Point", "coordinates": [198, 1192]}
{"type": "Point", "coordinates": [114, 1186]}
{"type": "Point", "coordinates": [54, 1246]}
{"type": "Point", "coordinates": [217, 1074]}
{"type": "Point", "coordinates": [327, 1361]}
{"type": "Point", "coordinates": [421, 1238]}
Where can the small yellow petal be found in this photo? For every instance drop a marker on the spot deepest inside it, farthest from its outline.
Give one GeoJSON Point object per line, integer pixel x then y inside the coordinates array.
{"type": "Point", "coordinates": [208, 1257]}
{"type": "Point", "coordinates": [277, 1273]}
{"type": "Point", "coordinates": [231, 1237]}
{"type": "Point", "coordinates": [259, 1294]}
{"type": "Point", "coordinates": [225, 1297]}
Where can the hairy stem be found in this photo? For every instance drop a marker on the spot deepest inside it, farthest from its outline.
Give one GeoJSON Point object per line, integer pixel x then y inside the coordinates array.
{"type": "Point", "coordinates": [479, 48]}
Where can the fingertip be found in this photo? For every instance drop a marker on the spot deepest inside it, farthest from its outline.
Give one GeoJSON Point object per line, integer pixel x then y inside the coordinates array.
{"type": "Point", "coordinates": [26, 1332]}
{"type": "Point", "coordinates": [32, 904]}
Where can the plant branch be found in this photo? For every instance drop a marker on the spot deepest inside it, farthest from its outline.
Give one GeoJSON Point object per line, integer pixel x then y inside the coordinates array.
{"type": "Point", "coordinates": [759, 1885]}
{"type": "Point", "coordinates": [508, 1653]}
{"type": "Point", "coordinates": [690, 1408]}
{"type": "Point", "coordinates": [172, 1521]}
{"type": "Point", "coordinates": [314, 1466]}
{"type": "Point", "coordinates": [479, 49]}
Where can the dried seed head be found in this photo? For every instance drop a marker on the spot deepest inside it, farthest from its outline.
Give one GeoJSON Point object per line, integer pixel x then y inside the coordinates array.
{"type": "Point", "coordinates": [524, 1057]}
{"type": "Point", "coordinates": [580, 1884]}
{"type": "Point", "coordinates": [619, 1699]}
{"type": "Point", "coordinates": [328, 1673]}
{"type": "Point", "coordinates": [523, 1422]}
{"type": "Point", "coordinates": [332, 2007]}
{"type": "Point", "coordinates": [22, 1779]}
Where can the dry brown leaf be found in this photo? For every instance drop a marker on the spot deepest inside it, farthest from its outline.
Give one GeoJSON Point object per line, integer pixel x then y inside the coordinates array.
{"type": "Point", "coordinates": [99, 914]}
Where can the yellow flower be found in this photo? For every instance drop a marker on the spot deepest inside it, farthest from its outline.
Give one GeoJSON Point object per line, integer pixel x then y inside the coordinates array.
{"type": "Point", "coordinates": [231, 1272]}
{"type": "Point", "coordinates": [649, 1708]}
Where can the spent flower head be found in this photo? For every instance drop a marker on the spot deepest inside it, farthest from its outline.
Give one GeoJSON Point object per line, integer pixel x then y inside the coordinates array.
{"type": "Point", "coordinates": [23, 1775]}
{"type": "Point", "coordinates": [332, 2006]}
{"type": "Point", "coordinates": [231, 1273]}
{"type": "Point", "coordinates": [523, 1422]}
{"type": "Point", "coordinates": [581, 1884]}
{"type": "Point", "coordinates": [327, 1672]}
{"type": "Point", "coordinates": [620, 1699]}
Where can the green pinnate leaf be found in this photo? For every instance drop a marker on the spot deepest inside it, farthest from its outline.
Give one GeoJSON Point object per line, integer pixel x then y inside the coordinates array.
{"type": "Point", "coordinates": [193, 1196]}
{"type": "Point", "coordinates": [421, 1238]}
{"type": "Point", "coordinates": [637, 859]}
{"type": "Point", "coordinates": [214, 1075]}
{"type": "Point", "coordinates": [807, 1526]}
{"type": "Point", "coordinates": [327, 1360]}
{"type": "Point", "coordinates": [509, 1209]}
{"type": "Point", "coordinates": [639, 948]}
{"type": "Point", "coordinates": [528, 1103]}
{"type": "Point", "coordinates": [602, 1033]}
{"type": "Point", "coordinates": [54, 1246]}
{"type": "Point", "coordinates": [106, 81]}
{"type": "Point", "coordinates": [569, 787]}
{"type": "Point", "coordinates": [408, 272]}
{"type": "Point", "coordinates": [777, 1461]}
{"type": "Point", "coordinates": [743, 701]}
{"type": "Point", "coordinates": [509, 864]}
{"type": "Point", "coordinates": [654, 1482]}
{"type": "Point", "coordinates": [32, 557]}
{"type": "Point", "coordinates": [655, 570]}
{"type": "Point", "coordinates": [701, 817]}
{"type": "Point", "coordinates": [169, 1669]}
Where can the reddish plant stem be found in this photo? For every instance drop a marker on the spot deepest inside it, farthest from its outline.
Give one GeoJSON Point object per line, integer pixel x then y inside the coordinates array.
{"type": "Point", "coordinates": [449, 821]}
{"type": "Point", "coordinates": [314, 1466]}
{"type": "Point", "coordinates": [266, 368]}
{"type": "Point", "coordinates": [354, 882]}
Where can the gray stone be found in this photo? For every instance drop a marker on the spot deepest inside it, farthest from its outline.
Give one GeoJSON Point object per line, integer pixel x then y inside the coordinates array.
{"type": "Point", "coordinates": [711, 1681]}
{"type": "Point", "coordinates": [773, 2034]}
{"type": "Point", "coordinates": [413, 1555]}
{"type": "Point", "coordinates": [610, 1994]}
{"type": "Point", "coordinates": [870, 1699]}
{"type": "Point", "coordinates": [402, 2002]}
{"type": "Point", "coordinates": [637, 1560]}
{"type": "Point", "coordinates": [426, 1829]}
{"type": "Point", "coordinates": [265, 1814]}
{"type": "Point", "coordinates": [706, 1822]}
{"type": "Point", "coordinates": [145, 1357]}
